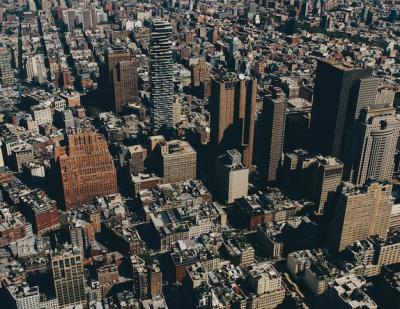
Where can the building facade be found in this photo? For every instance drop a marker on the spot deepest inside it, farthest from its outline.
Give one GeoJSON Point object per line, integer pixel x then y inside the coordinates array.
{"type": "Point", "coordinates": [85, 168]}
{"type": "Point", "coordinates": [372, 144]}
{"type": "Point", "coordinates": [177, 161]}
{"type": "Point", "coordinates": [122, 78]}
{"type": "Point", "coordinates": [273, 122]}
{"type": "Point", "coordinates": [327, 177]}
{"type": "Point", "coordinates": [6, 71]}
{"type": "Point", "coordinates": [161, 76]}
{"type": "Point", "coordinates": [360, 212]}
{"type": "Point", "coordinates": [233, 108]}
{"type": "Point", "coordinates": [335, 104]}
{"type": "Point", "coordinates": [35, 69]}
{"type": "Point", "coordinates": [68, 276]}
{"type": "Point", "coordinates": [232, 177]}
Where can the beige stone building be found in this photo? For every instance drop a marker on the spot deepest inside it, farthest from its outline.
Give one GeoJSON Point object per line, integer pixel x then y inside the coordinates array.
{"type": "Point", "coordinates": [360, 212]}
{"type": "Point", "coordinates": [176, 161]}
{"type": "Point", "coordinates": [69, 280]}
{"type": "Point", "coordinates": [371, 145]}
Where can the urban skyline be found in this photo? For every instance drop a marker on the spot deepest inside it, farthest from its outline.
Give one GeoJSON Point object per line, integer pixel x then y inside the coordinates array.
{"type": "Point", "coordinates": [199, 154]}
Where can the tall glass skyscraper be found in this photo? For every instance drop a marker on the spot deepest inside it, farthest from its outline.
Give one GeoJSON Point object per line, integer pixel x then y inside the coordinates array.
{"type": "Point", "coordinates": [161, 76]}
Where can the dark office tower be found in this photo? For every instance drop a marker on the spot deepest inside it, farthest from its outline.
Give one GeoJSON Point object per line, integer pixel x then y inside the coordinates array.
{"type": "Point", "coordinates": [122, 78]}
{"type": "Point", "coordinates": [291, 26]}
{"type": "Point", "coordinates": [233, 108]}
{"type": "Point", "coordinates": [85, 169]}
{"type": "Point", "coordinates": [365, 93]}
{"type": "Point", "coordinates": [273, 122]}
{"type": "Point", "coordinates": [371, 145]}
{"type": "Point", "coordinates": [161, 76]}
{"type": "Point", "coordinates": [68, 276]}
{"type": "Point", "coordinates": [305, 8]}
{"type": "Point", "coordinates": [393, 16]}
{"type": "Point", "coordinates": [334, 107]}
{"type": "Point", "coordinates": [6, 71]}
{"type": "Point", "coordinates": [364, 13]}
{"type": "Point", "coordinates": [360, 212]}
{"type": "Point", "coordinates": [325, 22]}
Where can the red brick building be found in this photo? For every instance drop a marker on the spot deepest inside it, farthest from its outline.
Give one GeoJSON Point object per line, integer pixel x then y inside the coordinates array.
{"type": "Point", "coordinates": [46, 218]}
{"type": "Point", "coordinates": [85, 168]}
{"type": "Point", "coordinates": [122, 78]}
{"type": "Point", "coordinates": [12, 227]}
{"type": "Point", "coordinates": [41, 211]}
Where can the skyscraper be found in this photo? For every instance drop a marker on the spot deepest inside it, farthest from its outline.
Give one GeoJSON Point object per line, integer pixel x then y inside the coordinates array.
{"type": "Point", "coordinates": [360, 212]}
{"type": "Point", "coordinates": [125, 84]}
{"type": "Point", "coordinates": [93, 14]}
{"type": "Point", "coordinates": [161, 76]}
{"type": "Point", "coordinates": [86, 19]}
{"type": "Point", "coordinates": [35, 68]}
{"type": "Point", "coordinates": [85, 168]}
{"type": "Point", "coordinates": [6, 71]}
{"type": "Point", "coordinates": [232, 177]}
{"type": "Point", "coordinates": [273, 122]}
{"type": "Point", "coordinates": [69, 17]}
{"type": "Point", "coordinates": [233, 107]}
{"type": "Point", "coordinates": [366, 90]}
{"type": "Point", "coordinates": [113, 57]}
{"type": "Point", "coordinates": [371, 145]}
{"type": "Point", "coordinates": [336, 92]}
{"type": "Point", "coordinates": [313, 177]}
{"type": "Point", "coordinates": [327, 177]}
{"type": "Point", "coordinates": [69, 280]}
{"type": "Point", "coordinates": [122, 78]}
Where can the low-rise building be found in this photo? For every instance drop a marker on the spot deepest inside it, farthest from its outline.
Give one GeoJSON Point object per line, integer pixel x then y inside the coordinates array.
{"type": "Point", "coordinates": [13, 226]}
{"type": "Point", "coordinates": [239, 251]}
{"type": "Point", "coordinates": [25, 297]}
{"type": "Point", "coordinates": [108, 276]}
{"type": "Point", "coordinates": [22, 153]}
{"type": "Point", "coordinates": [255, 286]}
{"type": "Point", "coordinates": [314, 267]}
{"type": "Point", "coordinates": [143, 181]}
{"type": "Point", "coordinates": [348, 292]}
{"type": "Point", "coordinates": [41, 114]}
{"type": "Point", "coordinates": [270, 240]}
{"type": "Point", "coordinates": [41, 211]}
{"type": "Point", "coordinates": [188, 252]}
{"type": "Point", "coordinates": [270, 206]}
